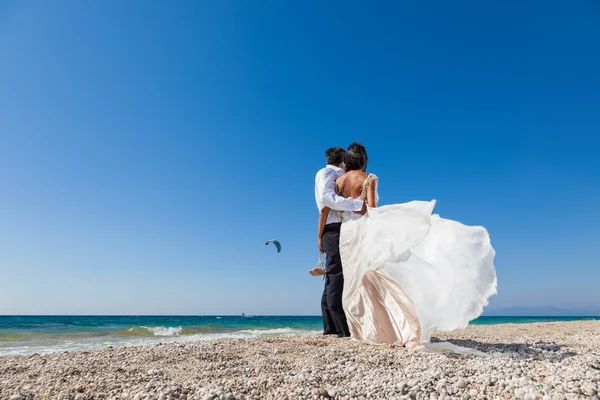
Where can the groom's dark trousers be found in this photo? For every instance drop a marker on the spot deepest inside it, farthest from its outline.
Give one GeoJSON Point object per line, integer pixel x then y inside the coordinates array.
{"type": "Point", "coordinates": [334, 319]}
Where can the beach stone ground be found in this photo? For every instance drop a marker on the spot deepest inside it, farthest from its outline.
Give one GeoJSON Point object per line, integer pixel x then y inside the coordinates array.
{"type": "Point", "coordinates": [558, 360]}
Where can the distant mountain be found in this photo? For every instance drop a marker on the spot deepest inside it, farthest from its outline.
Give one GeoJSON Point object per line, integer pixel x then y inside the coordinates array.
{"type": "Point", "coordinates": [547, 311]}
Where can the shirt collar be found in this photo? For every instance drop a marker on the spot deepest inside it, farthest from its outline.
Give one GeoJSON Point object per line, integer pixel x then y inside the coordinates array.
{"type": "Point", "coordinates": [333, 167]}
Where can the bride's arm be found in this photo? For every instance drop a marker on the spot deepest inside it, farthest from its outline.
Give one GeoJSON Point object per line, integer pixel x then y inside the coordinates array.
{"type": "Point", "coordinates": [322, 221]}
{"type": "Point", "coordinates": [372, 194]}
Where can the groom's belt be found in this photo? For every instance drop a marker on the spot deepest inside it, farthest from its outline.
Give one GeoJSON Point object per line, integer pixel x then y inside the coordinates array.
{"type": "Point", "coordinates": [333, 227]}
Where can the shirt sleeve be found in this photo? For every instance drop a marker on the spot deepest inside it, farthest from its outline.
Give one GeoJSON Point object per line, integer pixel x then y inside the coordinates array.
{"type": "Point", "coordinates": [331, 199]}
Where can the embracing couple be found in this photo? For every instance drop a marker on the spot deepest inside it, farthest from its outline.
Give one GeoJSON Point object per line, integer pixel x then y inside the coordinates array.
{"type": "Point", "coordinates": [396, 273]}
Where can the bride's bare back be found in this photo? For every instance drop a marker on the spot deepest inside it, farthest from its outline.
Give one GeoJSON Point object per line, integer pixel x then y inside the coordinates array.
{"type": "Point", "coordinates": [351, 184]}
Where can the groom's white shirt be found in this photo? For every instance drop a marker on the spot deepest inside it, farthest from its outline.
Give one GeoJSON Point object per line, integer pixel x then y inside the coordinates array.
{"type": "Point", "coordinates": [326, 196]}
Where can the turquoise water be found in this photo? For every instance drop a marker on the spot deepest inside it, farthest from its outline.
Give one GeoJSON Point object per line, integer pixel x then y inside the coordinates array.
{"type": "Point", "coordinates": [46, 334]}
{"type": "Point", "coordinates": [525, 320]}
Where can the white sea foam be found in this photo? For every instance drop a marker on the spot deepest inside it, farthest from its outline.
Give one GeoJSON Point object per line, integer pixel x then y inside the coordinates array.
{"type": "Point", "coordinates": [160, 334]}
{"type": "Point", "coordinates": [164, 330]}
{"type": "Point", "coordinates": [246, 334]}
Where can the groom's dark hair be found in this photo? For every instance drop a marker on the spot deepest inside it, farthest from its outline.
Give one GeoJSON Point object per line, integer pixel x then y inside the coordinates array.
{"type": "Point", "coordinates": [335, 155]}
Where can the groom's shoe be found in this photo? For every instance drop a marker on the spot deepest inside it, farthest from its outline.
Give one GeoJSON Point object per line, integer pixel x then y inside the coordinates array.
{"type": "Point", "coordinates": [342, 335]}
{"type": "Point", "coordinates": [329, 333]}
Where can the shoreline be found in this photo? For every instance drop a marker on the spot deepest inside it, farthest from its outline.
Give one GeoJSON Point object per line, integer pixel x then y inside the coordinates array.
{"type": "Point", "coordinates": [545, 360]}
{"type": "Point", "coordinates": [50, 334]}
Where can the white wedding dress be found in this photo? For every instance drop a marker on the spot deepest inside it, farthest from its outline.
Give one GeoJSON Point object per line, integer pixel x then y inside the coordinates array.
{"type": "Point", "coordinates": [408, 273]}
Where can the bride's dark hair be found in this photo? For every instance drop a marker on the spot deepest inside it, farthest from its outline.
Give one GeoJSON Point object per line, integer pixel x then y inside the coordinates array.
{"type": "Point", "coordinates": [356, 157]}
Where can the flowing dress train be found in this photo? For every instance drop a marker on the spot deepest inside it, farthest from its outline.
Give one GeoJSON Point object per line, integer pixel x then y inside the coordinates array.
{"type": "Point", "coordinates": [408, 273]}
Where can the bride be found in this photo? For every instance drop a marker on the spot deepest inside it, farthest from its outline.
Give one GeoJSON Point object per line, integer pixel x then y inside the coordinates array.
{"type": "Point", "coordinates": [408, 273]}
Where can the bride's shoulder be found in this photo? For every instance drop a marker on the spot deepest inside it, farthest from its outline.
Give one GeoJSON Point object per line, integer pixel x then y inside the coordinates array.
{"type": "Point", "coordinates": [368, 179]}
{"type": "Point", "coordinates": [371, 177]}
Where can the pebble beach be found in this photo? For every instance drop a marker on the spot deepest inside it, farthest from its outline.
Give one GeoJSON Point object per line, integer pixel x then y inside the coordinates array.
{"type": "Point", "coordinates": [555, 360]}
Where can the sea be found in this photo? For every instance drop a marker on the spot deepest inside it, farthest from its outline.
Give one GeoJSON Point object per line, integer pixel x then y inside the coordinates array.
{"type": "Point", "coordinates": [20, 335]}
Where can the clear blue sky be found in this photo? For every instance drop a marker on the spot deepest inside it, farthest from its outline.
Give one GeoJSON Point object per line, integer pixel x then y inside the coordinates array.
{"type": "Point", "coordinates": [148, 149]}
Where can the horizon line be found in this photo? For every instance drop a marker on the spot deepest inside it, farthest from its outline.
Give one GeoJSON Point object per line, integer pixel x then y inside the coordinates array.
{"type": "Point", "coordinates": [257, 315]}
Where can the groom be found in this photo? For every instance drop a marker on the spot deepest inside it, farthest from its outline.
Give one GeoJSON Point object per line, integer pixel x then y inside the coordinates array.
{"type": "Point", "coordinates": [334, 319]}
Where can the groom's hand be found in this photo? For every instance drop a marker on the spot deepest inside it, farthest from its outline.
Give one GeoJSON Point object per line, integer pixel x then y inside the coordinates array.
{"type": "Point", "coordinates": [321, 246]}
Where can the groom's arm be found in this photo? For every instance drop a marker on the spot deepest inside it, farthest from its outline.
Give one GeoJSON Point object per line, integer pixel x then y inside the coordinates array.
{"type": "Point", "coordinates": [336, 202]}
{"type": "Point", "coordinates": [331, 199]}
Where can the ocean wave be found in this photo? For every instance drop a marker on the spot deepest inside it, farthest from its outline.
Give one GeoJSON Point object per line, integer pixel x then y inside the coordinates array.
{"type": "Point", "coordinates": [208, 331]}
{"type": "Point", "coordinates": [159, 330]}
{"type": "Point", "coordinates": [154, 336]}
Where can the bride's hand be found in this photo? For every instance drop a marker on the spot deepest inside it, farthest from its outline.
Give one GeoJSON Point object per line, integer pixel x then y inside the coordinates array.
{"type": "Point", "coordinates": [363, 210]}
